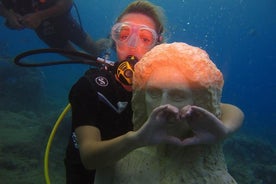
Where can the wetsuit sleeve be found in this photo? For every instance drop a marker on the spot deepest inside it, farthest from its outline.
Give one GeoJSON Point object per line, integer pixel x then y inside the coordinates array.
{"type": "Point", "coordinates": [5, 7]}
{"type": "Point", "coordinates": [7, 4]}
{"type": "Point", "coordinates": [84, 102]}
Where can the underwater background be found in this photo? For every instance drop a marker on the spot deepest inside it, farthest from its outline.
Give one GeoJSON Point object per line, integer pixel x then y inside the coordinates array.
{"type": "Point", "coordinates": [239, 36]}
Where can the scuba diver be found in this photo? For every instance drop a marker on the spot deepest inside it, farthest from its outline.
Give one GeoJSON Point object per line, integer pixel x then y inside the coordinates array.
{"type": "Point", "coordinates": [53, 23]}
{"type": "Point", "coordinates": [101, 99]}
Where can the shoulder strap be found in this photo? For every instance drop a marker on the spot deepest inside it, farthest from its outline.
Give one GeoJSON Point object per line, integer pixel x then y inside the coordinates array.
{"type": "Point", "coordinates": [103, 82]}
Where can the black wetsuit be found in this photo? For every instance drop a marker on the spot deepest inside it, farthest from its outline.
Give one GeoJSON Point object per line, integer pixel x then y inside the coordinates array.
{"type": "Point", "coordinates": [97, 99]}
{"type": "Point", "coordinates": [57, 31]}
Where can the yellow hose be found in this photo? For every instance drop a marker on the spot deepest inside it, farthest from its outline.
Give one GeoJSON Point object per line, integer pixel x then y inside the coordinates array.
{"type": "Point", "coordinates": [47, 151]}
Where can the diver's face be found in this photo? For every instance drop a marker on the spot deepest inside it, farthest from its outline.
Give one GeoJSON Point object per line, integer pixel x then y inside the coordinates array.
{"type": "Point", "coordinates": [167, 85]}
{"type": "Point", "coordinates": [142, 28]}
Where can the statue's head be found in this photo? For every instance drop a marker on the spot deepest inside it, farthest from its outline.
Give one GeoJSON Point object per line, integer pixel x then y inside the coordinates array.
{"type": "Point", "coordinates": [176, 74]}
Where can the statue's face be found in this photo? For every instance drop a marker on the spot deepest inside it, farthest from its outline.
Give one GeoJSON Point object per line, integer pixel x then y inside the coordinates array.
{"type": "Point", "coordinates": [167, 85]}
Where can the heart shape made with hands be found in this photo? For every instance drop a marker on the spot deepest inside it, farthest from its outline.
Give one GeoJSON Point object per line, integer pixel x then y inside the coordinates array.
{"type": "Point", "coordinates": [162, 126]}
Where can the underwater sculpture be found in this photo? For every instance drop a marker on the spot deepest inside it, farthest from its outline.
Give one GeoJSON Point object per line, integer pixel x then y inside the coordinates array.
{"type": "Point", "coordinates": [183, 76]}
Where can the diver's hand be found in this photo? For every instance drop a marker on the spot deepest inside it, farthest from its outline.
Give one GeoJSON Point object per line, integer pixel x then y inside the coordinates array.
{"type": "Point", "coordinates": [155, 129]}
{"type": "Point", "coordinates": [14, 21]}
{"type": "Point", "coordinates": [207, 128]}
{"type": "Point", "coordinates": [31, 20]}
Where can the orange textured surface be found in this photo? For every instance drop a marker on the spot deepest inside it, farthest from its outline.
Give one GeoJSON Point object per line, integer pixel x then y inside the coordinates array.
{"type": "Point", "coordinates": [193, 62]}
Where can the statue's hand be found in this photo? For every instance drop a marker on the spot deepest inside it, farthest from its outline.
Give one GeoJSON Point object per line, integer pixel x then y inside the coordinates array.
{"type": "Point", "coordinates": [206, 127]}
{"type": "Point", "coordinates": [155, 129]}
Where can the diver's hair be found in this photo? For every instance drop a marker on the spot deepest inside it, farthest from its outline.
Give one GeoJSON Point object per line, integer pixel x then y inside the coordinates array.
{"type": "Point", "coordinates": [148, 9]}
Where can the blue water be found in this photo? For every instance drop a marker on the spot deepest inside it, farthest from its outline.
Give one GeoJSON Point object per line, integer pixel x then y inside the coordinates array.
{"type": "Point", "coordinates": [239, 36]}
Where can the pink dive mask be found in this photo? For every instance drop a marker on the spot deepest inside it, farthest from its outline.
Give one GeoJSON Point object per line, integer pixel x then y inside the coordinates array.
{"type": "Point", "coordinates": [133, 35]}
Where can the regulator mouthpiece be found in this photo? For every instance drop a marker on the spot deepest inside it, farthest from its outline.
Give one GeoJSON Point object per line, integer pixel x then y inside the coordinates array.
{"type": "Point", "coordinates": [125, 70]}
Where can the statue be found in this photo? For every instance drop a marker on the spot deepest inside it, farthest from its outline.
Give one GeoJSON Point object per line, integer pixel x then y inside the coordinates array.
{"type": "Point", "coordinates": [184, 77]}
